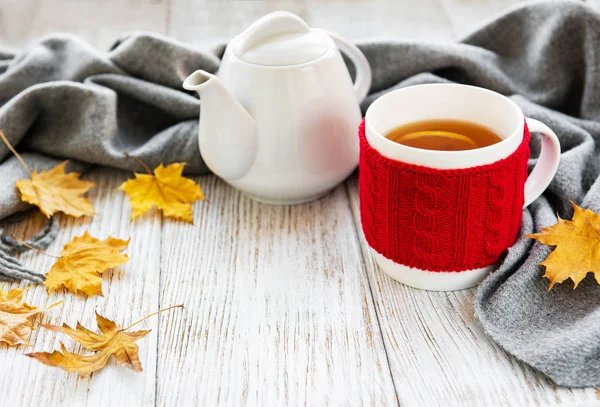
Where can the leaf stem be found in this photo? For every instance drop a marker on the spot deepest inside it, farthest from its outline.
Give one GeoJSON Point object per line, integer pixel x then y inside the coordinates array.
{"type": "Point", "coordinates": [12, 149]}
{"type": "Point", "coordinates": [151, 315]}
{"type": "Point", "coordinates": [54, 305]}
{"type": "Point", "coordinates": [139, 160]}
{"type": "Point", "coordinates": [33, 248]}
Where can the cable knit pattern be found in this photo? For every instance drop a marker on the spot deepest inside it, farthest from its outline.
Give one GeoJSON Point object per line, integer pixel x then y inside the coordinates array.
{"type": "Point", "coordinates": [424, 222]}
{"type": "Point", "coordinates": [441, 220]}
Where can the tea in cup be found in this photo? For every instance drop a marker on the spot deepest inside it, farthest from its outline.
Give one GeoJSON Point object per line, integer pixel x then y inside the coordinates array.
{"type": "Point", "coordinates": [444, 135]}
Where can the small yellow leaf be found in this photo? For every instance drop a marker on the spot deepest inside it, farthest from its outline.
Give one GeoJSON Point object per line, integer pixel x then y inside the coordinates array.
{"type": "Point", "coordinates": [165, 189]}
{"type": "Point", "coordinates": [55, 191]}
{"type": "Point", "coordinates": [111, 341]}
{"type": "Point", "coordinates": [577, 247]}
{"type": "Point", "coordinates": [16, 317]}
{"type": "Point", "coordinates": [82, 262]}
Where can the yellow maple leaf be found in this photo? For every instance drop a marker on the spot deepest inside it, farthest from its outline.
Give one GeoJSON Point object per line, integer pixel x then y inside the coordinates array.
{"type": "Point", "coordinates": [577, 247]}
{"type": "Point", "coordinates": [82, 261]}
{"type": "Point", "coordinates": [112, 341]}
{"type": "Point", "coordinates": [55, 191]}
{"type": "Point", "coordinates": [16, 317]}
{"type": "Point", "coordinates": [165, 189]}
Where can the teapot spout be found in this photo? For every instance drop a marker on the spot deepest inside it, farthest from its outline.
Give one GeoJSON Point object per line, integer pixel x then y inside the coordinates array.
{"type": "Point", "coordinates": [227, 137]}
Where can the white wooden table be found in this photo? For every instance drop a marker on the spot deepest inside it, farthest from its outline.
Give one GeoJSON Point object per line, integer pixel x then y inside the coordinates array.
{"type": "Point", "coordinates": [283, 305]}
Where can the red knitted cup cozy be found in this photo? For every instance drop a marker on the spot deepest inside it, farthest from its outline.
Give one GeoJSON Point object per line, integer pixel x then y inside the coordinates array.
{"type": "Point", "coordinates": [441, 220]}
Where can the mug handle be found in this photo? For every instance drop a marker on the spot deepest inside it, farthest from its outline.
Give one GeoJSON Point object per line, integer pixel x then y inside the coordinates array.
{"type": "Point", "coordinates": [547, 163]}
{"type": "Point", "coordinates": [364, 77]}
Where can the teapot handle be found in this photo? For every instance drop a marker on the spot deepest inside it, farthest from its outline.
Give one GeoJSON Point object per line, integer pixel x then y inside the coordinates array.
{"type": "Point", "coordinates": [362, 83]}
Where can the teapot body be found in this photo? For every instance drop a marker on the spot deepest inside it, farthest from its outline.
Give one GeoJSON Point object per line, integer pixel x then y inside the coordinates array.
{"type": "Point", "coordinates": [280, 119]}
{"type": "Point", "coordinates": [306, 120]}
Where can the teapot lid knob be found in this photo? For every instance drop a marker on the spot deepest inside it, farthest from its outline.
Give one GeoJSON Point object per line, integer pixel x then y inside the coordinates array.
{"type": "Point", "coordinates": [280, 38]}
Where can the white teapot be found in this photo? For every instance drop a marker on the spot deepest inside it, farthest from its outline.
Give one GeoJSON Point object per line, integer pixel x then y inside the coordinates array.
{"type": "Point", "coordinates": [280, 119]}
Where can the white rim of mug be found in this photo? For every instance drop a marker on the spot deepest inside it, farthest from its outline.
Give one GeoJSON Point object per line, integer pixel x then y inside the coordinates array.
{"type": "Point", "coordinates": [407, 149]}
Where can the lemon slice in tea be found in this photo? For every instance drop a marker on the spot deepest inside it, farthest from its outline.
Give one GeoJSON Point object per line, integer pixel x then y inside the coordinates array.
{"type": "Point", "coordinates": [437, 140]}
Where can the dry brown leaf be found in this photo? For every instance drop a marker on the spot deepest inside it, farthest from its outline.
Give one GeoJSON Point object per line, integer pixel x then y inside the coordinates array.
{"type": "Point", "coordinates": [72, 362]}
{"type": "Point", "coordinates": [82, 261]}
{"type": "Point", "coordinates": [112, 341]}
{"type": "Point", "coordinates": [577, 248]}
{"type": "Point", "coordinates": [165, 189]}
{"type": "Point", "coordinates": [16, 317]}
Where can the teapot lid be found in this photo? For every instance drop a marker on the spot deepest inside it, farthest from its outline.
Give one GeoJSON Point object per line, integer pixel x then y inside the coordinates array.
{"type": "Point", "coordinates": [278, 39]}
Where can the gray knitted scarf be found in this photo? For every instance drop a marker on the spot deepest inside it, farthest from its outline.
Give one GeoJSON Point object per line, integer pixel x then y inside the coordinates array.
{"type": "Point", "coordinates": [60, 98]}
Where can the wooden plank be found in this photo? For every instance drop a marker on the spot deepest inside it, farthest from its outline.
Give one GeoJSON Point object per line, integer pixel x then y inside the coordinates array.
{"type": "Point", "coordinates": [278, 307]}
{"type": "Point", "coordinates": [438, 355]}
{"type": "Point", "coordinates": [467, 15]}
{"type": "Point", "coordinates": [15, 16]}
{"type": "Point", "coordinates": [99, 22]}
{"type": "Point", "coordinates": [594, 3]}
{"type": "Point", "coordinates": [424, 20]}
{"type": "Point", "coordinates": [206, 23]}
{"type": "Point", "coordinates": [130, 293]}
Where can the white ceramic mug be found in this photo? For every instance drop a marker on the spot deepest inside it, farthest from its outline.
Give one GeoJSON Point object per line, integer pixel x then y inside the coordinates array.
{"type": "Point", "coordinates": [458, 102]}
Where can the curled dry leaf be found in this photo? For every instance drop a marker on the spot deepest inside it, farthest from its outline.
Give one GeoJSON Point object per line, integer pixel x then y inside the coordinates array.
{"type": "Point", "coordinates": [82, 261]}
{"type": "Point", "coordinates": [577, 247]}
{"type": "Point", "coordinates": [72, 362]}
{"type": "Point", "coordinates": [112, 341]}
{"type": "Point", "coordinates": [16, 317]}
{"type": "Point", "coordinates": [165, 189]}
